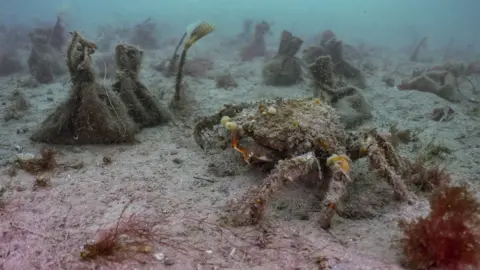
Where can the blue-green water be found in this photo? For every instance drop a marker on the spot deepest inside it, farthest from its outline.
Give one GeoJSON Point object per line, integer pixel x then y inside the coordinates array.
{"type": "Point", "coordinates": [383, 22]}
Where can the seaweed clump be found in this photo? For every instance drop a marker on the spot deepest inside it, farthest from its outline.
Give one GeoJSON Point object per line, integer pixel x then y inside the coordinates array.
{"type": "Point", "coordinates": [46, 60]}
{"type": "Point", "coordinates": [448, 238]}
{"type": "Point", "coordinates": [349, 101]}
{"type": "Point", "coordinates": [442, 83]}
{"type": "Point", "coordinates": [18, 105]}
{"type": "Point", "coordinates": [46, 161]}
{"type": "Point", "coordinates": [9, 63]}
{"type": "Point", "coordinates": [284, 69]}
{"type": "Point", "coordinates": [342, 69]}
{"type": "Point", "coordinates": [257, 47]}
{"type": "Point", "coordinates": [142, 106]}
{"type": "Point", "coordinates": [129, 236]}
{"type": "Point", "coordinates": [246, 34]}
{"type": "Point", "coordinates": [92, 114]}
{"type": "Point", "coordinates": [133, 235]}
{"type": "Point", "coordinates": [58, 40]}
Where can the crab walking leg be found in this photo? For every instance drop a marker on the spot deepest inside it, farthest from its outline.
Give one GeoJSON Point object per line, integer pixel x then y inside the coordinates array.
{"type": "Point", "coordinates": [390, 154]}
{"type": "Point", "coordinates": [378, 159]}
{"type": "Point", "coordinates": [340, 166]}
{"type": "Point", "coordinates": [250, 209]}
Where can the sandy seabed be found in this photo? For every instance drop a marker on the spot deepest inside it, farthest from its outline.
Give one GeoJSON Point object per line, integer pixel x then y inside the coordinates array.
{"type": "Point", "coordinates": [167, 175]}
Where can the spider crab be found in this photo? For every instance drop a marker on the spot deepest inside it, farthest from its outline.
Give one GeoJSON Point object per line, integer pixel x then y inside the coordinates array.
{"type": "Point", "coordinates": [298, 137]}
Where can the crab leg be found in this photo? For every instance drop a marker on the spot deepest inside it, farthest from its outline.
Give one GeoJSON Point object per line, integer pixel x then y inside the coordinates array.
{"type": "Point", "coordinates": [250, 210]}
{"type": "Point", "coordinates": [389, 151]}
{"type": "Point", "coordinates": [340, 166]}
{"type": "Point", "coordinates": [382, 160]}
{"type": "Point", "coordinates": [382, 156]}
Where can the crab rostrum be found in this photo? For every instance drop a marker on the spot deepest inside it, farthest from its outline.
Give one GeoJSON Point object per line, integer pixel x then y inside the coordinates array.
{"type": "Point", "coordinates": [299, 137]}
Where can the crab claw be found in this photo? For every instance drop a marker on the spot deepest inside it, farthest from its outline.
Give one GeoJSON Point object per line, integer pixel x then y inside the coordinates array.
{"type": "Point", "coordinates": [342, 161]}
{"type": "Point", "coordinates": [236, 146]}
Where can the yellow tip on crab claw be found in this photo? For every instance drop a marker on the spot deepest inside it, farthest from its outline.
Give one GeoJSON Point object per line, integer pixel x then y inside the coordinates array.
{"type": "Point", "coordinates": [231, 126]}
{"type": "Point", "coordinates": [341, 161]}
{"type": "Point", "coordinates": [225, 119]}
